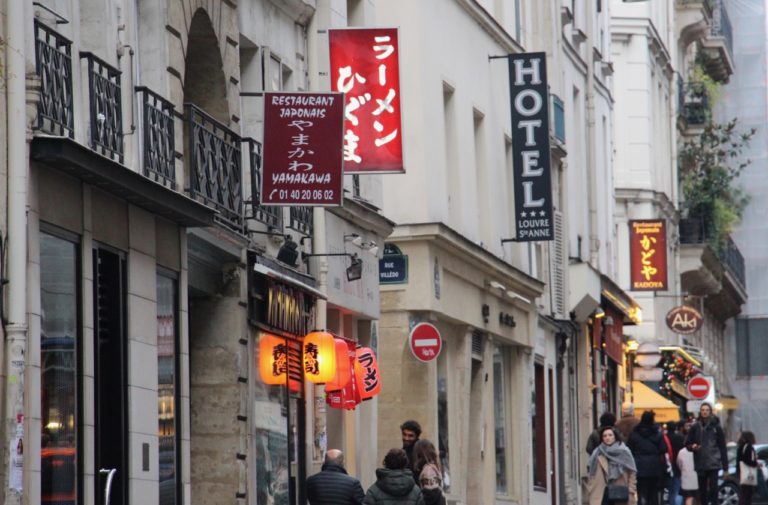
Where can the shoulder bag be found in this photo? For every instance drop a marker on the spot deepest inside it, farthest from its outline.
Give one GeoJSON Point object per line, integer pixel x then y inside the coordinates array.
{"type": "Point", "coordinates": [617, 493]}
{"type": "Point", "coordinates": [747, 474]}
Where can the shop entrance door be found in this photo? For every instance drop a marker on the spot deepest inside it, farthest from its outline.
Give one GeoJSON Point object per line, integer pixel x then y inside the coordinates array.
{"type": "Point", "coordinates": [296, 425]}
{"type": "Point", "coordinates": [110, 391]}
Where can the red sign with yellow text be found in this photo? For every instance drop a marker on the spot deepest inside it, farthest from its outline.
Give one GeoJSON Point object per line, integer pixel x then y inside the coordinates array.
{"type": "Point", "coordinates": [648, 255]}
{"type": "Point", "coordinates": [365, 67]}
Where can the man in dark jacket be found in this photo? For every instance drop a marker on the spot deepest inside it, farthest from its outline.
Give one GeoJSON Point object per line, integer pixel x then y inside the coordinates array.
{"type": "Point", "coordinates": [648, 447]}
{"type": "Point", "coordinates": [332, 485]}
{"type": "Point", "coordinates": [607, 420]}
{"type": "Point", "coordinates": [410, 431]}
{"type": "Point", "coordinates": [706, 441]}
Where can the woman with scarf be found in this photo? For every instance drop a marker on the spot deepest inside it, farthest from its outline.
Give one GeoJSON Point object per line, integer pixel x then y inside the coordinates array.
{"type": "Point", "coordinates": [611, 463]}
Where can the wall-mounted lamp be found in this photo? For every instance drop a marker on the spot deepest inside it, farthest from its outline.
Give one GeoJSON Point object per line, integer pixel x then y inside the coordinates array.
{"type": "Point", "coordinates": [354, 238]}
{"type": "Point", "coordinates": [608, 321]}
{"type": "Point", "coordinates": [289, 252]}
{"type": "Point", "coordinates": [275, 236]}
{"type": "Point", "coordinates": [497, 285]}
{"type": "Point", "coordinates": [354, 270]}
{"type": "Point", "coordinates": [599, 313]}
{"type": "Point", "coordinates": [371, 247]}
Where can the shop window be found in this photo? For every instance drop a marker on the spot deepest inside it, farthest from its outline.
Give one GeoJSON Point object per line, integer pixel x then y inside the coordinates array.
{"type": "Point", "coordinates": [168, 389]}
{"type": "Point", "coordinates": [443, 425]}
{"type": "Point", "coordinates": [59, 359]}
{"type": "Point", "coordinates": [501, 437]}
{"type": "Point", "coordinates": [539, 439]}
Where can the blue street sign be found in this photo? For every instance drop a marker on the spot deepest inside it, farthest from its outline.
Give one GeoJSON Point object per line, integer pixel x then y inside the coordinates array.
{"type": "Point", "coordinates": [393, 269]}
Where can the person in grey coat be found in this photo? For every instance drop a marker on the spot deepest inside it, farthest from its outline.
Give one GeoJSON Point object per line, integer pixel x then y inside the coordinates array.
{"type": "Point", "coordinates": [706, 440]}
{"type": "Point", "coordinates": [394, 484]}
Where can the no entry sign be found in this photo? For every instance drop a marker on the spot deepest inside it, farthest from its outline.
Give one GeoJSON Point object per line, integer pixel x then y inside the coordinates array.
{"type": "Point", "coordinates": [698, 387]}
{"type": "Point", "coordinates": [425, 342]}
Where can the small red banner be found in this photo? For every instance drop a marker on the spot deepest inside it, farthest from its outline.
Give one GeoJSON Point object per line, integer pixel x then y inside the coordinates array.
{"type": "Point", "coordinates": [365, 66]}
{"type": "Point", "coordinates": [648, 255]}
{"type": "Point", "coordinates": [303, 162]}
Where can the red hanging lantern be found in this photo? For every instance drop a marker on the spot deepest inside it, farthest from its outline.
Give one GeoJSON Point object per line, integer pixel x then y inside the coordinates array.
{"type": "Point", "coordinates": [367, 373]}
{"type": "Point", "coordinates": [343, 367]}
{"type": "Point", "coordinates": [273, 359]}
{"type": "Point", "coordinates": [319, 357]}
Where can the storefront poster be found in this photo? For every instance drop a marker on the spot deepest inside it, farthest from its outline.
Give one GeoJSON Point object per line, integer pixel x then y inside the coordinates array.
{"type": "Point", "coordinates": [365, 67]}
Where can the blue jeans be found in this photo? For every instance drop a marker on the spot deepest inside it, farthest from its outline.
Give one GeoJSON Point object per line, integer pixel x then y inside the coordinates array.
{"type": "Point", "coordinates": [673, 491]}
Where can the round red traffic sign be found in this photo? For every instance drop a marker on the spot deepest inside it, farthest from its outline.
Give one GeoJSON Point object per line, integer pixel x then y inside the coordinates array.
{"type": "Point", "coordinates": [425, 342]}
{"type": "Point", "coordinates": [698, 387]}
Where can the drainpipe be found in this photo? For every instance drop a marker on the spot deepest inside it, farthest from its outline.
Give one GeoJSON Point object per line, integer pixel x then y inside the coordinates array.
{"type": "Point", "coordinates": [594, 239]}
{"type": "Point", "coordinates": [18, 162]}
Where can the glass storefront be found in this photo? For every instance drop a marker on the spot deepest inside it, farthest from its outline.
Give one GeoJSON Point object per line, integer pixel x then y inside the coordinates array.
{"type": "Point", "coordinates": [167, 390]}
{"type": "Point", "coordinates": [59, 364]}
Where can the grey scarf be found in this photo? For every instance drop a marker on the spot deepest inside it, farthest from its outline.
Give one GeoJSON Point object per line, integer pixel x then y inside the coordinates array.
{"type": "Point", "coordinates": [619, 458]}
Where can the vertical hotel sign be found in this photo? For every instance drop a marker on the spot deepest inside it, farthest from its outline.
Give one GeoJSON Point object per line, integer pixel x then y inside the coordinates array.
{"type": "Point", "coordinates": [365, 67]}
{"type": "Point", "coordinates": [302, 149]}
{"type": "Point", "coordinates": [648, 255]}
{"type": "Point", "coordinates": [530, 139]}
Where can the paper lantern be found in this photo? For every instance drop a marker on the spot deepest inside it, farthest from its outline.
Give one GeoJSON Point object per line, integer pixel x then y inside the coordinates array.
{"type": "Point", "coordinates": [273, 359]}
{"type": "Point", "coordinates": [319, 357]}
{"type": "Point", "coordinates": [367, 373]}
{"type": "Point", "coordinates": [344, 366]}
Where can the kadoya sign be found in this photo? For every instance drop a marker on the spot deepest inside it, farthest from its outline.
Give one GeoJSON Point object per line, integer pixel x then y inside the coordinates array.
{"type": "Point", "coordinates": [530, 139]}
{"type": "Point", "coordinates": [303, 162]}
{"type": "Point", "coordinates": [365, 67]}
{"type": "Point", "coordinates": [648, 255]}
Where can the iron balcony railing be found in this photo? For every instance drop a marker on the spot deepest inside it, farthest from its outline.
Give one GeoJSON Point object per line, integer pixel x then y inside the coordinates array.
{"type": "Point", "coordinates": [707, 4]}
{"type": "Point", "coordinates": [106, 111]}
{"type": "Point", "coordinates": [700, 231]}
{"type": "Point", "coordinates": [693, 103]}
{"type": "Point", "coordinates": [53, 54]}
{"type": "Point", "coordinates": [158, 137]}
{"type": "Point", "coordinates": [301, 220]}
{"type": "Point", "coordinates": [214, 166]}
{"type": "Point", "coordinates": [721, 25]}
{"type": "Point", "coordinates": [270, 215]}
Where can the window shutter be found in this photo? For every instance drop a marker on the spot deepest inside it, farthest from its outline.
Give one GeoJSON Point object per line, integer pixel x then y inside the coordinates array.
{"type": "Point", "coordinates": [557, 268]}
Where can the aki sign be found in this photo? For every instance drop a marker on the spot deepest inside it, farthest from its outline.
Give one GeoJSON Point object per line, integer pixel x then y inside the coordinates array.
{"type": "Point", "coordinates": [529, 97]}
{"type": "Point", "coordinates": [648, 255]}
{"type": "Point", "coordinates": [365, 67]}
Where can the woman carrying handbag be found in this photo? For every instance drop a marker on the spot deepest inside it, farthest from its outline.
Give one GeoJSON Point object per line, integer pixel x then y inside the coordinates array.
{"type": "Point", "coordinates": [746, 467]}
{"type": "Point", "coordinates": [612, 472]}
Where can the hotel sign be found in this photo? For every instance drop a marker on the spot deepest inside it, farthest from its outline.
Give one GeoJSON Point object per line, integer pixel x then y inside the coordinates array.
{"type": "Point", "coordinates": [529, 97]}
{"type": "Point", "coordinates": [648, 255]}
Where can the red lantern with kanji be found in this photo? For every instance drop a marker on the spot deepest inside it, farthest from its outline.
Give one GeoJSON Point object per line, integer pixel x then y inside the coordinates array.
{"type": "Point", "coordinates": [319, 357]}
{"type": "Point", "coordinates": [367, 373]}
{"type": "Point", "coordinates": [273, 359]}
{"type": "Point", "coordinates": [343, 367]}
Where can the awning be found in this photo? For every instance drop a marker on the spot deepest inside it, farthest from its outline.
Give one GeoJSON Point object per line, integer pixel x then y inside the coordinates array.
{"type": "Point", "coordinates": [271, 268]}
{"type": "Point", "coordinates": [645, 398]}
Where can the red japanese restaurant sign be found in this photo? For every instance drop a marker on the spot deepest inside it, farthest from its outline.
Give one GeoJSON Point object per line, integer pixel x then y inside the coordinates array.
{"type": "Point", "coordinates": [303, 162]}
{"type": "Point", "coordinates": [648, 255]}
{"type": "Point", "coordinates": [365, 66]}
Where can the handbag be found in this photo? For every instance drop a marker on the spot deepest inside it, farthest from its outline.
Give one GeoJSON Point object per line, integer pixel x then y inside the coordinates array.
{"type": "Point", "coordinates": [747, 474]}
{"type": "Point", "coordinates": [617, 493]}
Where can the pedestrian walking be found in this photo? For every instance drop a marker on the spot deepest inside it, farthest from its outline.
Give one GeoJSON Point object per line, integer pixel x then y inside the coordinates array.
{"type": "Point", "coordinates": [426, 466]}
{"type": "Point", "coordinates": [410, 431]}
{"type": "Point", "coordinates": [746, 467]}
{"type": "Point", "coordinates": [707, 442]}
{"type": "Point", "coordinates": [689, 481]}
{"type": "Point", "coordinates": [607, 419]}
{"type": "Point", "coordinates": [394, 483]}
{"type": "Point", "coordinates": [628, 421]}
{"type": "Point", "coordinates": [648, 448]}
{"type": "Point", "coordinates": [676, 442]}
{"type": "Point", "coordinates": [612, 472]}
{"type": "Point", "coordinates": [332, 485]}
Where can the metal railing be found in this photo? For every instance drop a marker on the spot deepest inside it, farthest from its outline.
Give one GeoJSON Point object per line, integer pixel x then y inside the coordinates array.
{"type": "Point", "coordinates": [301, 220]}
{"type": "Point", "coordinates": [214, 166]}
{"type": "Point", "coordinates": [707, 4]}
{"type": "Point", "coordinates": [693, 103]}
{"type": "Point", "coordinates": [270, 215]}
{"type": "Point", "coordinates": [701, 231]}
{"type": "Point", "coordinates": [158, 137]}
{"type": "Point", "coordinates": [721, 25]}
{"type": "Point", "coordinates": [53, 54]}
{"type": "Point", "coordinates": [106, 111]}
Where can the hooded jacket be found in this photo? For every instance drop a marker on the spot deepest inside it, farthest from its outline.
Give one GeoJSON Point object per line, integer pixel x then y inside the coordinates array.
{"type": "Point", "coordinates": [711, 454]}
{"type": "Point", "coordinates": [394, 487]}
{"type": "Point", "coordinates": [648, 447]}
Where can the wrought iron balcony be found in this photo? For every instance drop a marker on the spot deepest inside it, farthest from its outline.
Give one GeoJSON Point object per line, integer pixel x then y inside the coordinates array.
{"type": "Point", "coordinates": [700, 231]}
{"type": "Point", "coordinates": [721, 25]}
{"type": "Point", "coordinates": [693, 103]}
{"type": "Point", "coordinates": [270, 215]}
{"type": "Point", "coordinates": [215, 166]}
{"type": "Point", "coordinates": [106, 110]}
{"type": "Point", "coordinates": [158, 137]}
{"type": "Point", "coordinates": [301, 220]}
{"type": "Point", "coordinates": [53, 54]}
